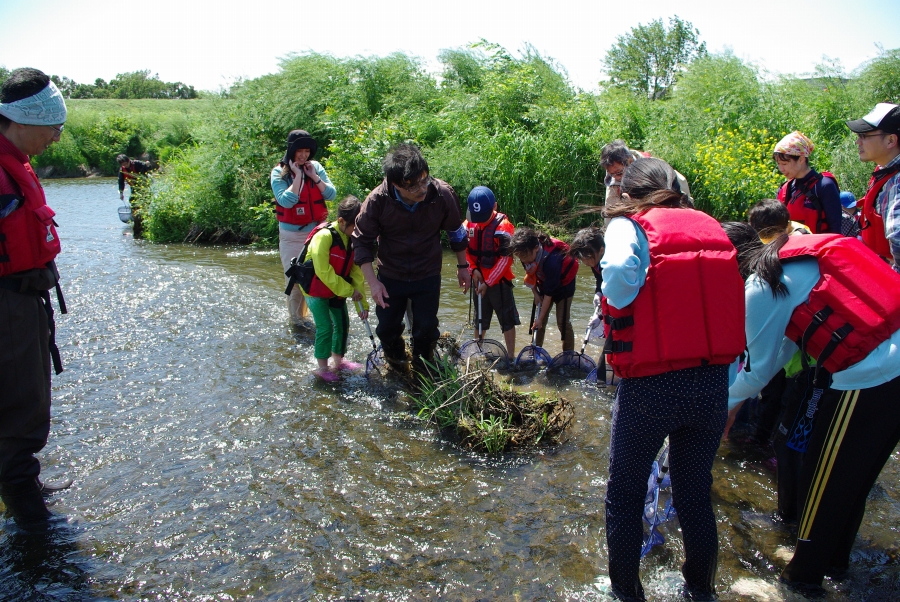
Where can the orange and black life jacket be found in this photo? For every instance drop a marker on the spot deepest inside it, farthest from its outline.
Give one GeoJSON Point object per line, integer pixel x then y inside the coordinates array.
{"type": "Point", "coordinates": [483, 245]}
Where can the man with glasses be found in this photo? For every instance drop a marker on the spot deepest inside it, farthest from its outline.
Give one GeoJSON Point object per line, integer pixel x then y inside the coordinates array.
{"type": "Point", "coordinates": [32, 112]}
{"type": "Point", "coordinates": [404, 216]}
{"type": "Point", "coordinates": [878, 140]}
{"type": "Point", "coordinates": [614, 158]}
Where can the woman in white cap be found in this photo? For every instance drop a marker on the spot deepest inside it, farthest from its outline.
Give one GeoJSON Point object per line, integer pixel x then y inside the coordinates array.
{"type": "Point", "coordinates": [301, 187]}
{"type": "Point", "coordinates": [812, 198]}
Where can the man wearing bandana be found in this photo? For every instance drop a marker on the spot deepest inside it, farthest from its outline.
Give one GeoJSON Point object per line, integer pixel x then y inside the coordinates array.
{"type": "Point", "coordinates": [32, 114]}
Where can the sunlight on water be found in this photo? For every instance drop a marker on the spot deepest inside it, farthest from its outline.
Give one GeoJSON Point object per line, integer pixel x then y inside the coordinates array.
{"type": "Point", "coordinates": [210, 465]}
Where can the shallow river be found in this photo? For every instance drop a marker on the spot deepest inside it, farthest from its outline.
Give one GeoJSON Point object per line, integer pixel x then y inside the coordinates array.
{"type": "Point", "coordinates": [210, 465]}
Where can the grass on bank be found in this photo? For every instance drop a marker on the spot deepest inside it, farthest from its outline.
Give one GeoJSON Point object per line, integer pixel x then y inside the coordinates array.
{"type": "Point", "coordinates": [97, 130]}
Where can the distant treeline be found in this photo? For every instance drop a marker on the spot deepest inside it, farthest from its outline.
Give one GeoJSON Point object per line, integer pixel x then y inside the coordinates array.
{"type": "Point", "coordinates": [137, 84]}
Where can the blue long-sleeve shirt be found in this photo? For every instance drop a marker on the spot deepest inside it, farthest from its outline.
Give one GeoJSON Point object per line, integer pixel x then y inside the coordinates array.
{"type": "Point", "coordinates": [768, 318]}
{"type": "Point", "coordinates": [625, 262]}
{"type": "Point", "coordinates": [287, 198]}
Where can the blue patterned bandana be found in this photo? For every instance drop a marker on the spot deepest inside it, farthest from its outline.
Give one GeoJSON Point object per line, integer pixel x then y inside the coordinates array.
{"type": "Point", "coordinates": [47, 107]}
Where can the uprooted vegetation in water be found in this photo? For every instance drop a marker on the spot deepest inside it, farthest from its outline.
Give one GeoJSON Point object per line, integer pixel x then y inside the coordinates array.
{"type": "Point", "coordinates": [486, 416]}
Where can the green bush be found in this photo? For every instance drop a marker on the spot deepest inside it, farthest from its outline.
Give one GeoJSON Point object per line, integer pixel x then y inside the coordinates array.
{"type": "Point", "coordinates": [512, 123]}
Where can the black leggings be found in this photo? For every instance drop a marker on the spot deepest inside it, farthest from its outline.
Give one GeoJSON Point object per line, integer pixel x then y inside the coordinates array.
{"type": "Point", "coordinates": [691, 407]}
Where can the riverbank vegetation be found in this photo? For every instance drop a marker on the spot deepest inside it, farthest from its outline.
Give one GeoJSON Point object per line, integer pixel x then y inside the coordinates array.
{"type": "Point", "coordinates": [512, 123]}
{"type": "Point", "coordinates": [99, 129]}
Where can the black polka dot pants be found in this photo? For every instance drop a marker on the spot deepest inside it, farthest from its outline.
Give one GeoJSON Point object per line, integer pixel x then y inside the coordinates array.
{"type": "Point", "coordinates": [691, 407]}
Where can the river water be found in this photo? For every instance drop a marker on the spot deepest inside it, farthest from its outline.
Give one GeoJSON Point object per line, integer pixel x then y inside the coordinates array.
{"type": "Point", "coordinates": [210, 465]}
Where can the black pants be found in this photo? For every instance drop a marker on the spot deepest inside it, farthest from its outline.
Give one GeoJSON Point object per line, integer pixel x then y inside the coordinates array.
{"type": "Point", "coordinates": [425, 297]}
{"type": "Point", "coordinates": [854, 435]}
{"type": "Point", "coordinates": [24, 386]}
{"type": "Point", "coordinates": [797, 389]}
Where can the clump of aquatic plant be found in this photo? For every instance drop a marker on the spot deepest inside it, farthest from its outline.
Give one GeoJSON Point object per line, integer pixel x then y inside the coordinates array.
{"type": "Point", "coordinates": [483, 415]}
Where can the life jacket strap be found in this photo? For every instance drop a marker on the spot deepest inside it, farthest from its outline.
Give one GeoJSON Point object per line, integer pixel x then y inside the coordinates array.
{"type": "Point", "coordinates": [619, 323]}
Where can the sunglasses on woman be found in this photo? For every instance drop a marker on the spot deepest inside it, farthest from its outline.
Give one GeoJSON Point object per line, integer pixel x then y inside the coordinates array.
{"type": "Point", "coordinates": [784, 158]}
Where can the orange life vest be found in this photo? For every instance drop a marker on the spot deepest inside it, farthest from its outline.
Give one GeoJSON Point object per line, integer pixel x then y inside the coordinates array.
{"type": "Point", "coordinates": [340, 257]}
{"type": "Point", "coordinates": [802, 203]}
{"type": "Point", "coordinates": [870, 221]}
{"type": "Point", "coordinates": [310, 207]}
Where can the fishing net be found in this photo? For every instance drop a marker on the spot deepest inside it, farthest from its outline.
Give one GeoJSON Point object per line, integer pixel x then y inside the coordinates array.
{"type": "Point", "coordinates": [571, 362]}
{"type": "Point", "coordinates": [532, 357]}
{"type": "Point", "coordinates": [659, 479]}
{"type": "Point", "coordinates": [488, 352]}
{"type": "Point", "coordinates": [375, 361]}
{"type": "Point", "coordinates": [610, 380]}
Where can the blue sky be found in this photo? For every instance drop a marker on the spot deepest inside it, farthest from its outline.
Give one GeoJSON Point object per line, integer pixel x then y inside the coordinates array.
{"type": "Point", "coordinates": [210, 44]}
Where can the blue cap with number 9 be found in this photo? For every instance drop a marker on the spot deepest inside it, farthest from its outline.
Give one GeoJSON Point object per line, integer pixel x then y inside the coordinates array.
{"type": "Point", "coordinates": [481, 203]}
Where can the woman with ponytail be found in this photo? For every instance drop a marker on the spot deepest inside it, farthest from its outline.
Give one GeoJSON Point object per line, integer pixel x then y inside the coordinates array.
{"type": "Point", "coordinates": [674, 310]}
{"type": "Point", "coordinates": [833, 299]}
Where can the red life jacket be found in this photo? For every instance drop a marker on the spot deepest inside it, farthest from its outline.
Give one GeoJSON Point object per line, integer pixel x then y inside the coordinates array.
{"type": "Point", "coordinates": [803, 205]}
{"type": "Point", "coordinates": [853, 308]}
{"type": "Point", "coordinates": [690, 310]}
{"type": "Point", "coordinates": [569, 264]}
{"type": "Point", "coordinates": [340, 258]}
{"type": "Point", "coordinates": [28, 238]}
{"type": "Point", "coordinates": [310, 207]}
{"type": "Point", "coordinates": [871, 223]}
{"type": "Point", "coordinates": [129, 173]}
{"type": "Point", "coordinates": [483, 245]}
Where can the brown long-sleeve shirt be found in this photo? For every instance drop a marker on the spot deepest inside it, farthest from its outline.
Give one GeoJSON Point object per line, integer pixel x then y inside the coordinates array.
{"type": "Point", "coordinates": [409, 242]}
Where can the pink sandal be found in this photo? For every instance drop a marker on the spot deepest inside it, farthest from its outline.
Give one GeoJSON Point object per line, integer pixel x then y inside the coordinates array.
{"type": "Point", "coordinates": [326, 375]}
{"type": "Point", "coordinates": [349, 366]}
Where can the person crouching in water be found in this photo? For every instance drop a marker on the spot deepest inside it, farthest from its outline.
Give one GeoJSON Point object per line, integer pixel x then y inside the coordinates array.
{"type": "Point", "coordinates": [837, 299]}
{"type": "Point", "coordinates": [336, 278]}
{"type": "Point", "coordinates": [588, 247]}
{"type": "Point", "coordinates": [490, 263]}
{"type": "Point", "coordinates": [550, 273]}
{"type": "Point", "coordinates": [674, 304]}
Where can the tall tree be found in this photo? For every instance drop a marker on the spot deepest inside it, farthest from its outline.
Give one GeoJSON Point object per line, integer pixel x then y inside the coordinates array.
{"type": "Point", "coordinates": [647, 59]}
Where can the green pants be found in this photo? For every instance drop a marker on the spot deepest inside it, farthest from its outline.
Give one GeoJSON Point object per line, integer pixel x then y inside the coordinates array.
{"type": "Point", "coordinates": [332, 324]}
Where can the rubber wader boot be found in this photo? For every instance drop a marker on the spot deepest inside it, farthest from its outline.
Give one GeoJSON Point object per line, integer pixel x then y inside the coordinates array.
{"type": "Point", "coordinates": [419, 365]}
{"type": "Point", "coordinates": [25, 503]}
{"type": "Point", "coordinates": [395, 354]}
{"type": "Point", "coordinates": [48, 489]}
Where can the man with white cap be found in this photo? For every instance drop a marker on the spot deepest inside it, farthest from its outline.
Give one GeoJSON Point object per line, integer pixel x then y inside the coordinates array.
{"type": "Point", "coordinates": [32, 114]}
{"type": "Point", "coordinates": [878, 140]}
